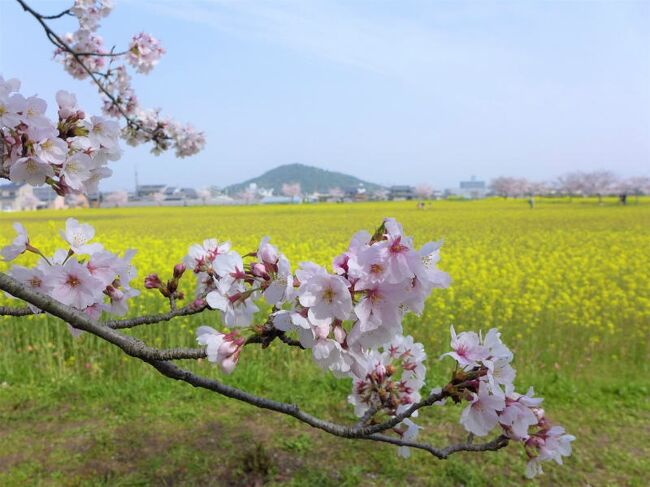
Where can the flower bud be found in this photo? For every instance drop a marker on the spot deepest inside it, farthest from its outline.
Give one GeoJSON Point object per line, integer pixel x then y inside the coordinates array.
{"type": "Point", "coordinates": [258, 269]}
{"type": "Point", "coordinates": [152, 281]}
{"type": "Point", "coordinates": [339, 334]}
{"type": "Point", "coordinates": [179, 269]}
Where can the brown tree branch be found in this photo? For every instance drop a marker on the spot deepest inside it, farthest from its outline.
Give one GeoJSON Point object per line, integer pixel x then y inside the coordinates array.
{"type": "Point", "coordinates": [188, 310]}
{"type": "Point", "coordinates": [9, 311]}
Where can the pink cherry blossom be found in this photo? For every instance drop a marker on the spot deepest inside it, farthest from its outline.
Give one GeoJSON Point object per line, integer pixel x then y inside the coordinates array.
{"type": "Point", "coordinates": [480, 417]}
{"type": "Point", "coordinates": [144, 52]}
{"type": "Point", "coordinates": [73, 285]}
{"type": "Point", "coordinates": [467, 348]}
{"type": "Point", "coordinates": [222, 349]}
{"type": "Point", "coordinates": [78, 235]}
{"type": "Point", "coordinates": [327, 297]}
{"type": "Point", "coordinates": [18, 246]}
{"type": "Point", "coordinates": [30, 170]}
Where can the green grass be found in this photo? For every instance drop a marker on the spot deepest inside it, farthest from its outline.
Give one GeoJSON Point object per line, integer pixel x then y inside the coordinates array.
{"type": "Point", "coordinates": [567, 283]}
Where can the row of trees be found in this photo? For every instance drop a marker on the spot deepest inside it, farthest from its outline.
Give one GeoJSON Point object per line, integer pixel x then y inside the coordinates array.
{"type": "Point", "coordinates": [578, 183]}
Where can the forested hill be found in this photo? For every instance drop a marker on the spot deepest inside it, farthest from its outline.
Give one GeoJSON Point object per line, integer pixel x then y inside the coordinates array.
{"type": "Point", "coordinates": [311, 179]}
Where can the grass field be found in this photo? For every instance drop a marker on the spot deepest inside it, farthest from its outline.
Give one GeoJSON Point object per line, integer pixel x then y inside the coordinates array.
{"type": "Point", "coordinates": [567, 283]}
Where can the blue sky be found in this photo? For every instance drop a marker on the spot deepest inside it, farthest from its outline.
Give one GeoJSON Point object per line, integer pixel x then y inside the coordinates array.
{"type": "Point", "coordinates": [390, 91]}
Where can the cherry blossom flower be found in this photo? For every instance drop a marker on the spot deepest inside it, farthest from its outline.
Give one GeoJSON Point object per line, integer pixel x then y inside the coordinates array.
{"type": "Point", "coordinates": [480, 417]}
{"type": "Point", "coordinates": [73, 285]}
{"type": "Point", "coordinates": [552, 444]}
{"type": "Point", "coordinates": [327, 297]}
{"type": "Point", "coordinates": [237, 309]}
{"type": "Point", "coordinates": [67, 103]}
{"type": "Point", "coordinates": [467, 348]}
{"type": "Point", "coordinates": [51, 150]}
{"type": "Point", "coordinates": [517, 418]}
{"type": "Point", "coordinates": [280, 289]}
{"type": "Point", "coordinates": [10, 108]}
{"type": "Point", "coordinates": [32, 278]}
{"type": "Point", "coordinates": [409, 434]}
{"type": "Point", "coordinates": [77, 170]}
{"type": "Point", "coordinates": [78, 235]}
{"type": "Point", "coordinates": [30, 170]}
{"type": "Point", "coordinates": [144, 52]}
{"type": "Point", "coordinates": [222, 349]}
{"type": "Point", "coordinates": [18, 246]}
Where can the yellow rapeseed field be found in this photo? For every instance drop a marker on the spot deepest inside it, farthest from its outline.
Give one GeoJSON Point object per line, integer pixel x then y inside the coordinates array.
{"type": "Point", "coordinates": [567, 282]}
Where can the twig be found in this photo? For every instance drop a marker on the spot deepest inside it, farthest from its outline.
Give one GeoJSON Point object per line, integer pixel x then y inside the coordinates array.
{"type": "Point", "coordinates": [152, 319]}
{"type": "Point", "coordinates": [9, 311]}
{"type": "Point", "coordinates": [366, 417]}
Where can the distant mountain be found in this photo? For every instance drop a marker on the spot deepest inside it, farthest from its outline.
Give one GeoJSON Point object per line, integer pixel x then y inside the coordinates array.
{"type": "Point", "coordinates": [311, 179]}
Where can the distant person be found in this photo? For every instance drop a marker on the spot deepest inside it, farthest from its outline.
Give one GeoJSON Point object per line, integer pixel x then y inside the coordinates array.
{"type": "Point", "coordinates": [531, 202]}
{"type": "Point", "coordinates": [623, 198]}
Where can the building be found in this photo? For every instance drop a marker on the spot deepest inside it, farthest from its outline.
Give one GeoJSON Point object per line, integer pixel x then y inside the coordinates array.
{"type": "Point", "coordinates": [147, 191]}
{"type": "Point", "coordinates": [8, 193]}
{"type": "Point", "coordinates": [397, 193]}
{"type": "Point", "coordinates": [473, 189]}
{"type": "Point", "coordinates": [173, 193]}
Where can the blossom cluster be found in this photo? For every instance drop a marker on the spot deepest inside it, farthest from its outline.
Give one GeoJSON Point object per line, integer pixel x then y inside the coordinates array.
{"type": "Point", "coordinates": [70, 154]}
{"type": "Point", "coordinates": [350, 319]}
{"type": "Point", "coordinates": [485, 380]}
{"type": "Point", "coordinates": [392, 378]}
{"type": "Point", "coordinates": [345, 317]}
{"type": "Point", "coordinates": [110, 71]}
{"type": "Point", "coordinates": [339, 314]}
{"type": "Point", "coordinates": [85, 276]}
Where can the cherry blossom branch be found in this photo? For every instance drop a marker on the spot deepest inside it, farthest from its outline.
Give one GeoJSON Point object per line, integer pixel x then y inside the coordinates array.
{"type": "Point", "coordinates": [61, 44]}
{"type": "Point", "coordinates": [83, 56]}
{"type": "Point", "coordinates": [160, 360]}
{"type": "Point", "coordinates": [174, 372]}
{"type": "Point", "coordinates": [129, 345]}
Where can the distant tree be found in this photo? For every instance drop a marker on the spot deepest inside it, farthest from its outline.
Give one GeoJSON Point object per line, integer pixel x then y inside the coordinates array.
{"type": "Point", "coordinates": [571, 184]}
{"type": "Point", "coordinates": [26, 200]}
{"type": "Point", "coordinates": [249, 195]}
{"type": "Point", "coordinates": [509, 187]}
{"type": "Point", "coordinates": [538, 188]}
{"type": "Point", "coordinates": [423, 191]}
{"type": "Point", "coordinates": [117, 198]}
{"type": "Point", "coordinates": [599, 183]}
{"type": "Point", "coordinates": [204, 194]}
{"type": "Point", "coordinates": [291, 189]}
{"type": "Point", "coordinates": [636, 185]}
{"type": "Point", "coordinates": [158, 197]}
{"type": "Point", "coordinates": [595, 183]}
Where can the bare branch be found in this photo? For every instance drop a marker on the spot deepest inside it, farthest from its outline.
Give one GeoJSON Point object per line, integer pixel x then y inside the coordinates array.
{"type": "Point", "coordinates": [442, 453]}
{"type": "Point", "coordinates": [366, 417]}
{"type": "Point", "coordinates": [9, 311]}
{"type": "Point", "coordinates": [57, 16]}
{"type": "Point", "coordinates": [188, 310]}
